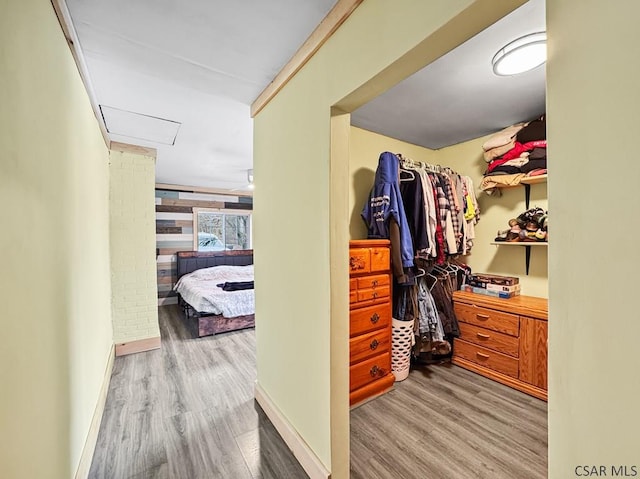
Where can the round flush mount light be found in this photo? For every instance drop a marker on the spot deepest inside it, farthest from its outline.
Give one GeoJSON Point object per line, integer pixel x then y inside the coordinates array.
{"type": "Point", "coordinates": [250, 178]}
{"type": "Point", "coordinates": [521, 55]}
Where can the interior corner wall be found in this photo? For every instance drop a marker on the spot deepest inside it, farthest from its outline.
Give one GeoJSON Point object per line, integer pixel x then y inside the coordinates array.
{"type": "Point", "coordinates": [592, 113]}
{"type": "Point", "coordinates": [364, 150]}
{"type": "Point", "coordinates": [495, 212]}
{"type": "Point", "coordinates": [133, 247]}
{"type": "Point", "coordinates": [55, 287]}
{"type": "Point", "coordinates": [292, 165]}
{"type": "Point", "coordinates": [174, 229]}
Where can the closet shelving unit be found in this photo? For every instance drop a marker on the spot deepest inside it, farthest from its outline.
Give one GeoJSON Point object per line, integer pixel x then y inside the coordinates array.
{"type": "Point", "coordinates": [526, 182]}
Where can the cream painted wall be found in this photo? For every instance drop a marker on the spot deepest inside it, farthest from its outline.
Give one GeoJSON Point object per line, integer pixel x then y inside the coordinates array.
{"type": "Point", "coordinates": [466, 158]}
{"type": "Point", "coordinates": [295, 240]}
{"type": "Point", "coordinates": [364, 150]}
{"type": "Point", "coordinates": [592, 106]}
{"type": "Point", "coordinates": [133, 245]}
{"type": "Point", "coordinates": [55, 287]}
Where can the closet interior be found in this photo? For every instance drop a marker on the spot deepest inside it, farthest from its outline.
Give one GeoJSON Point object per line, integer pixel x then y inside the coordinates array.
{"type": "Point", "coordinates": [465, 229]}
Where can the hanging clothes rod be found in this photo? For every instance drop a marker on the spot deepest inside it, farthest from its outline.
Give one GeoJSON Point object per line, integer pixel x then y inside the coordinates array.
{"type": "Point", "coordinates": [412, 164]}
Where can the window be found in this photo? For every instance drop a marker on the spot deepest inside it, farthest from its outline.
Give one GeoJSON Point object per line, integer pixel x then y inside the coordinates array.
{"type": "Point", "coordinates": [218, 230]}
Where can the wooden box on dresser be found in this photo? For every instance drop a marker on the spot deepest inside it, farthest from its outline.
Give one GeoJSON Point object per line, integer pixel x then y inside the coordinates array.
{"type": "Point", "coordinates": [503, 339]}
{"type": "Point", "coordinates": [369, 320]}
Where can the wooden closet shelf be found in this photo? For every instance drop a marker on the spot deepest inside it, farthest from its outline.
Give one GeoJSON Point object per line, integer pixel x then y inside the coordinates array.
{"type": "Point", "coordinates": [519, 243]}
{"type": "Point", "coordinates": [534, 180]}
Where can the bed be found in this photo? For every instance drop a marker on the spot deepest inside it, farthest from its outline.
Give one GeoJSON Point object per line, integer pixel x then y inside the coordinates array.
{"type": "Point", "coordinates": [214, 310]}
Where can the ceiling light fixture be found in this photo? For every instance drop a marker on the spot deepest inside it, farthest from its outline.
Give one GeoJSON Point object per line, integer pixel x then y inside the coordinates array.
{"type": "Point", "coordinates": [250, 178]}
{"type": "Point", "coordinates": [521, 55]}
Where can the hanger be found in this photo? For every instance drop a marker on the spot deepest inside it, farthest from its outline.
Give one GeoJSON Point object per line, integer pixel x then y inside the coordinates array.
{"type": "Point", "coordinates": [435, 280]}
{"type": "Point", "coordinates": [402, 170]}
{"type": "Point", "coordinates": [421, 273]}
{"type": "Point", "coordinates": [440, 269]}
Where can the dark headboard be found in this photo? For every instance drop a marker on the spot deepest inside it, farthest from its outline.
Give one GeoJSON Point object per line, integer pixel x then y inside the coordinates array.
{"type": "Point", "coordinates": [189, 261]}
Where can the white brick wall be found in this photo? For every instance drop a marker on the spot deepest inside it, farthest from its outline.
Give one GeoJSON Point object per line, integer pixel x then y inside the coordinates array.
{"type": "Point", "coordinates": [133, 247]}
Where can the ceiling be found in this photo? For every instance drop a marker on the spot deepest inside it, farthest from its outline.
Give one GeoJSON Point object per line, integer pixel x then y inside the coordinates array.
{"type": "Point", "coordinates": [180, 76]}
{"type": "Point", "coordinates": [192, 66]}
{"type": "Point", "coordinates": [458, 97]}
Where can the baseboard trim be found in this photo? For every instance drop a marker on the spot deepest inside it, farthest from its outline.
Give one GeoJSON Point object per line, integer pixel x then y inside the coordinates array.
{"type": "Point", "coordinates": [132, 347]}
{"type": "Point", "coordinates": [301, 450]}
{"type": "Point", "coordinates": [92, 436]}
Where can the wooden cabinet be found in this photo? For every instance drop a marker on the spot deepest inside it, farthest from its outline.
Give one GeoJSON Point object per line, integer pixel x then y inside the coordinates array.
{"type": "Point", "coordinates": [503, 339]}
{"type": "Point", "coordinates": [370, 320]}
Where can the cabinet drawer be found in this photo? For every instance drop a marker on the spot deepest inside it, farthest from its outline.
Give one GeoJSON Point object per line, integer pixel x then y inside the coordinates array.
{"type": "Point", "coordinates": [380, 259]}
{"type": "Point", "coordinates": [359, 260]}
{"type": "Point", "coordinates": [503, 343]}
{"type": "Point", "coordinates": [373, 281]}
{"type": "Point", "coordinates": [353, 296]}
{"type": "Point", "coordinates": [486, 357]}
{"type": "Point", "coordinates": [367, 345]}
{"type": "Point", "coordinates": [353, 284]}
{"type": "Point", "coordinates": [369, 319]}
{"type": "Point", "coordinates": [369, 370]}
{"type": "Point", "coordinates": [373, 294]}
{"type": "Point", "coordinates": [488, 318]}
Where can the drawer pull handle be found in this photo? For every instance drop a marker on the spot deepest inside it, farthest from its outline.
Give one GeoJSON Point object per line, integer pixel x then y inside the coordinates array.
{"type": "Point", "coordinates": [375, 318]}
{"type": "Point", "coordinates": [374, 344]}
{"type": "Point", "coordinates": [483, 336]}
{"type": "Point", "coordinates": [375, 371]}
{"type": "Point", "coordinates": [374, 295]}
{"type": "Point", "coordinates": [374, 282]}
{"type": "Point", "coordinates": [482, 356]}
{"type": "Point", "coordinates": [482, 317]}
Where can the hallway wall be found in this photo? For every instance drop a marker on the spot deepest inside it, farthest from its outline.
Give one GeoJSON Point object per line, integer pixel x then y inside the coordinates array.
{"type": "Point", "coordinates": [302, 271]}
{"type": "Point", "coordinates": [55, 288]}
{"type": "Point", "coordinates": [592, 107]}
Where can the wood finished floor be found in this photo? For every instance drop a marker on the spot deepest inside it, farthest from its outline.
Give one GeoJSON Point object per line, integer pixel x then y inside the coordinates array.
{"type": "Point", "coordinates": [444, 422]}
{"type": "Point", "coordinates": [187, 412]}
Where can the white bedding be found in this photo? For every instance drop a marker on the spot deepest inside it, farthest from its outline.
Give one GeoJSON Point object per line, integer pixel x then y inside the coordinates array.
{"type": "Point", "coordinates": [200, 291]}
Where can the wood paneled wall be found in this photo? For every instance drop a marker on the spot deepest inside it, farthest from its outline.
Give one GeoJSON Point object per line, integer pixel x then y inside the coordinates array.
{"type": "Point", "coordinates": [174, 229]}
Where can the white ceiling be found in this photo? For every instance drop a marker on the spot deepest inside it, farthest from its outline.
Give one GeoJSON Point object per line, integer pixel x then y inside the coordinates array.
{"type": "Point", "coordinates": [198, 65]}
{"type": "Point", "coordinates": [458, 97]}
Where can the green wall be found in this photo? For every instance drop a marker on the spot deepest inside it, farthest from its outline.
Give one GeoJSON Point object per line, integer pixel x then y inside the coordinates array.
{"type": "Point", "coordinates": [55, 287]}
{"type": "Point", "coordinates": [592, 107]}
{"type": "Point", "coordinates": [297, 258]}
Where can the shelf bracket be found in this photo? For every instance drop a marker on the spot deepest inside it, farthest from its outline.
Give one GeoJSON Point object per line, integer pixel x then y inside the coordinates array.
{"type": "Point", "coordinates": [527, 195]}
{"type": "Point", "coordinates": [527, 258]}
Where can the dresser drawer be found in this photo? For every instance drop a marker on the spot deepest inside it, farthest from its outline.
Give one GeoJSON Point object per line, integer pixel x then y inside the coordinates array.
{"type": "Point", "coordinates": [488, 318]}
{"type": "Point", "coordinates": [369, 370]}
{"type": "Point", "coordinates": [353, 296]}
{"type": "Point", "coordinates": [367, 345]}
{"type": "Point", "coordinates": [373, 281]}
{"type": "Point", "coordinates": [369, 319]}
{"type": "Point", "coordinates": [503, 343]}
{"type": "Point", "coordinates": [380, 259]}
{"type": "Point", "coordinates": [353, 284]}
{"type": "Point", "coordinates": [381, 293]}
{"type": "Point", "coordinates": [360, 261]}
{"type": "Point", "coordinates": [486, 357]}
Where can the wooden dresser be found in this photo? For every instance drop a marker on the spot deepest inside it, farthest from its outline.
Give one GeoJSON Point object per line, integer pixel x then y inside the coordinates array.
{"type": "Point", "coordinates": [503, 339]}
{"type": "Point", "coordinates": [370, 320]}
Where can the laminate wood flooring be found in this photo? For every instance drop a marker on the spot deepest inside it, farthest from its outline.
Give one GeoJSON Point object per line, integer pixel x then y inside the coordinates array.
{"type": "Point", "coordinates": [187, 411]}
{"type": "Point", "coordinates": [444, 422]}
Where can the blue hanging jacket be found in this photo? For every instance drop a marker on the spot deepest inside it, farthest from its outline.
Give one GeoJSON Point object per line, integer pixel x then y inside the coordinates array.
{"type": "Point", "coordinates": [385, 202]}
